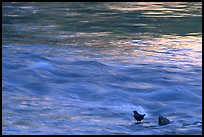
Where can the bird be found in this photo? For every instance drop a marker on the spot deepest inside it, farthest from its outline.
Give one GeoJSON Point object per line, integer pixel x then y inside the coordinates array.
{"type": "Point", "coordinates": [163, 120]}
{"type": "Point", "coordinates": [138, 116]}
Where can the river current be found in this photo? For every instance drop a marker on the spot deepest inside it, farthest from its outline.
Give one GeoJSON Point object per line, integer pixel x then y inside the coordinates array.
{"type": "Point", "coordinates": [82, 68]}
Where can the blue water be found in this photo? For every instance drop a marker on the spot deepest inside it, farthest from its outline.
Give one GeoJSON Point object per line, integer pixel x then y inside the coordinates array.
{"type": "Point", "coordinates": [82, 68]}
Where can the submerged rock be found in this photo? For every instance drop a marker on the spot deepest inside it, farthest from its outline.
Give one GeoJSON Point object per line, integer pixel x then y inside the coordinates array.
{"type": "Point", "coordinates": [163, 121]}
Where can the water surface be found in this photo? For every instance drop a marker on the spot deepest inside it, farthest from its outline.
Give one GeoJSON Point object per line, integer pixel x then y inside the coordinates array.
{"type": "Point", "coordinates": [82, 68]}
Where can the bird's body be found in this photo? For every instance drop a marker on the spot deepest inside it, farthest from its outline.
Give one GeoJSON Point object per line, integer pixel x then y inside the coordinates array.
{"type": "Point", "coordinates": [138, 116]}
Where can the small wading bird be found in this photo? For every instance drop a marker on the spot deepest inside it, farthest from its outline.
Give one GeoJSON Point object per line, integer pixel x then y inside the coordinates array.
{"type": "Point", "coordinates": [138, 116]}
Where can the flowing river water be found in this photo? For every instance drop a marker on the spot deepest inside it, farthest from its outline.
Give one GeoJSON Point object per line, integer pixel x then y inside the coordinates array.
{"type": "Point", "coordinates": [82, 67]}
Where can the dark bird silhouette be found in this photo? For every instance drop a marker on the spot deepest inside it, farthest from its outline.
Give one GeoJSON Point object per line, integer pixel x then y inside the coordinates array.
{"type": "Point", "coordinates": [138, 116]}
{"type": "Point", "coordinates": [163, 120]}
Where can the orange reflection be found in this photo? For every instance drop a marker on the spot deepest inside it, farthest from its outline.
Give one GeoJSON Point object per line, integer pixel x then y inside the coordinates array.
{"type": "Point", "coordinates": [178, 9]}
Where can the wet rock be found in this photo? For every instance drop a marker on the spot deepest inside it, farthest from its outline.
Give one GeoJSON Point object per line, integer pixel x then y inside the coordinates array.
{"type": "Point", "coordinates": [163, 120]}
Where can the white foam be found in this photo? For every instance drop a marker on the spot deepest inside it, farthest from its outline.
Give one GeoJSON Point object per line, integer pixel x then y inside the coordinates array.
{"type": "Point", "coordinates": [40, 65]}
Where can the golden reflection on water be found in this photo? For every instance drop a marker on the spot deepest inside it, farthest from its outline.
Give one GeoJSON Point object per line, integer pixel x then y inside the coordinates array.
{"type": "Point", "coordinates": [181, 49]}
{"type": "Point", "coordinates": [159, 9]}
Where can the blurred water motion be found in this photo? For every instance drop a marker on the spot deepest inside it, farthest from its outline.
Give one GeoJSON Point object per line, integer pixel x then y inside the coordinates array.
{"type": "Point", "coordinates": [82, 68]}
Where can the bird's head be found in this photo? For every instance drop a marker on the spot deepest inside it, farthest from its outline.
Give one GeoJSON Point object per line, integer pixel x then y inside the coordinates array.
{"type": "Point", "coordinates": [135, 112]}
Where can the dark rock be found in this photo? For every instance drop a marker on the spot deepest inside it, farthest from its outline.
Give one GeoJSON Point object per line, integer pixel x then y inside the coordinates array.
{"type": "Point", "coordinates": [163, 121]}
